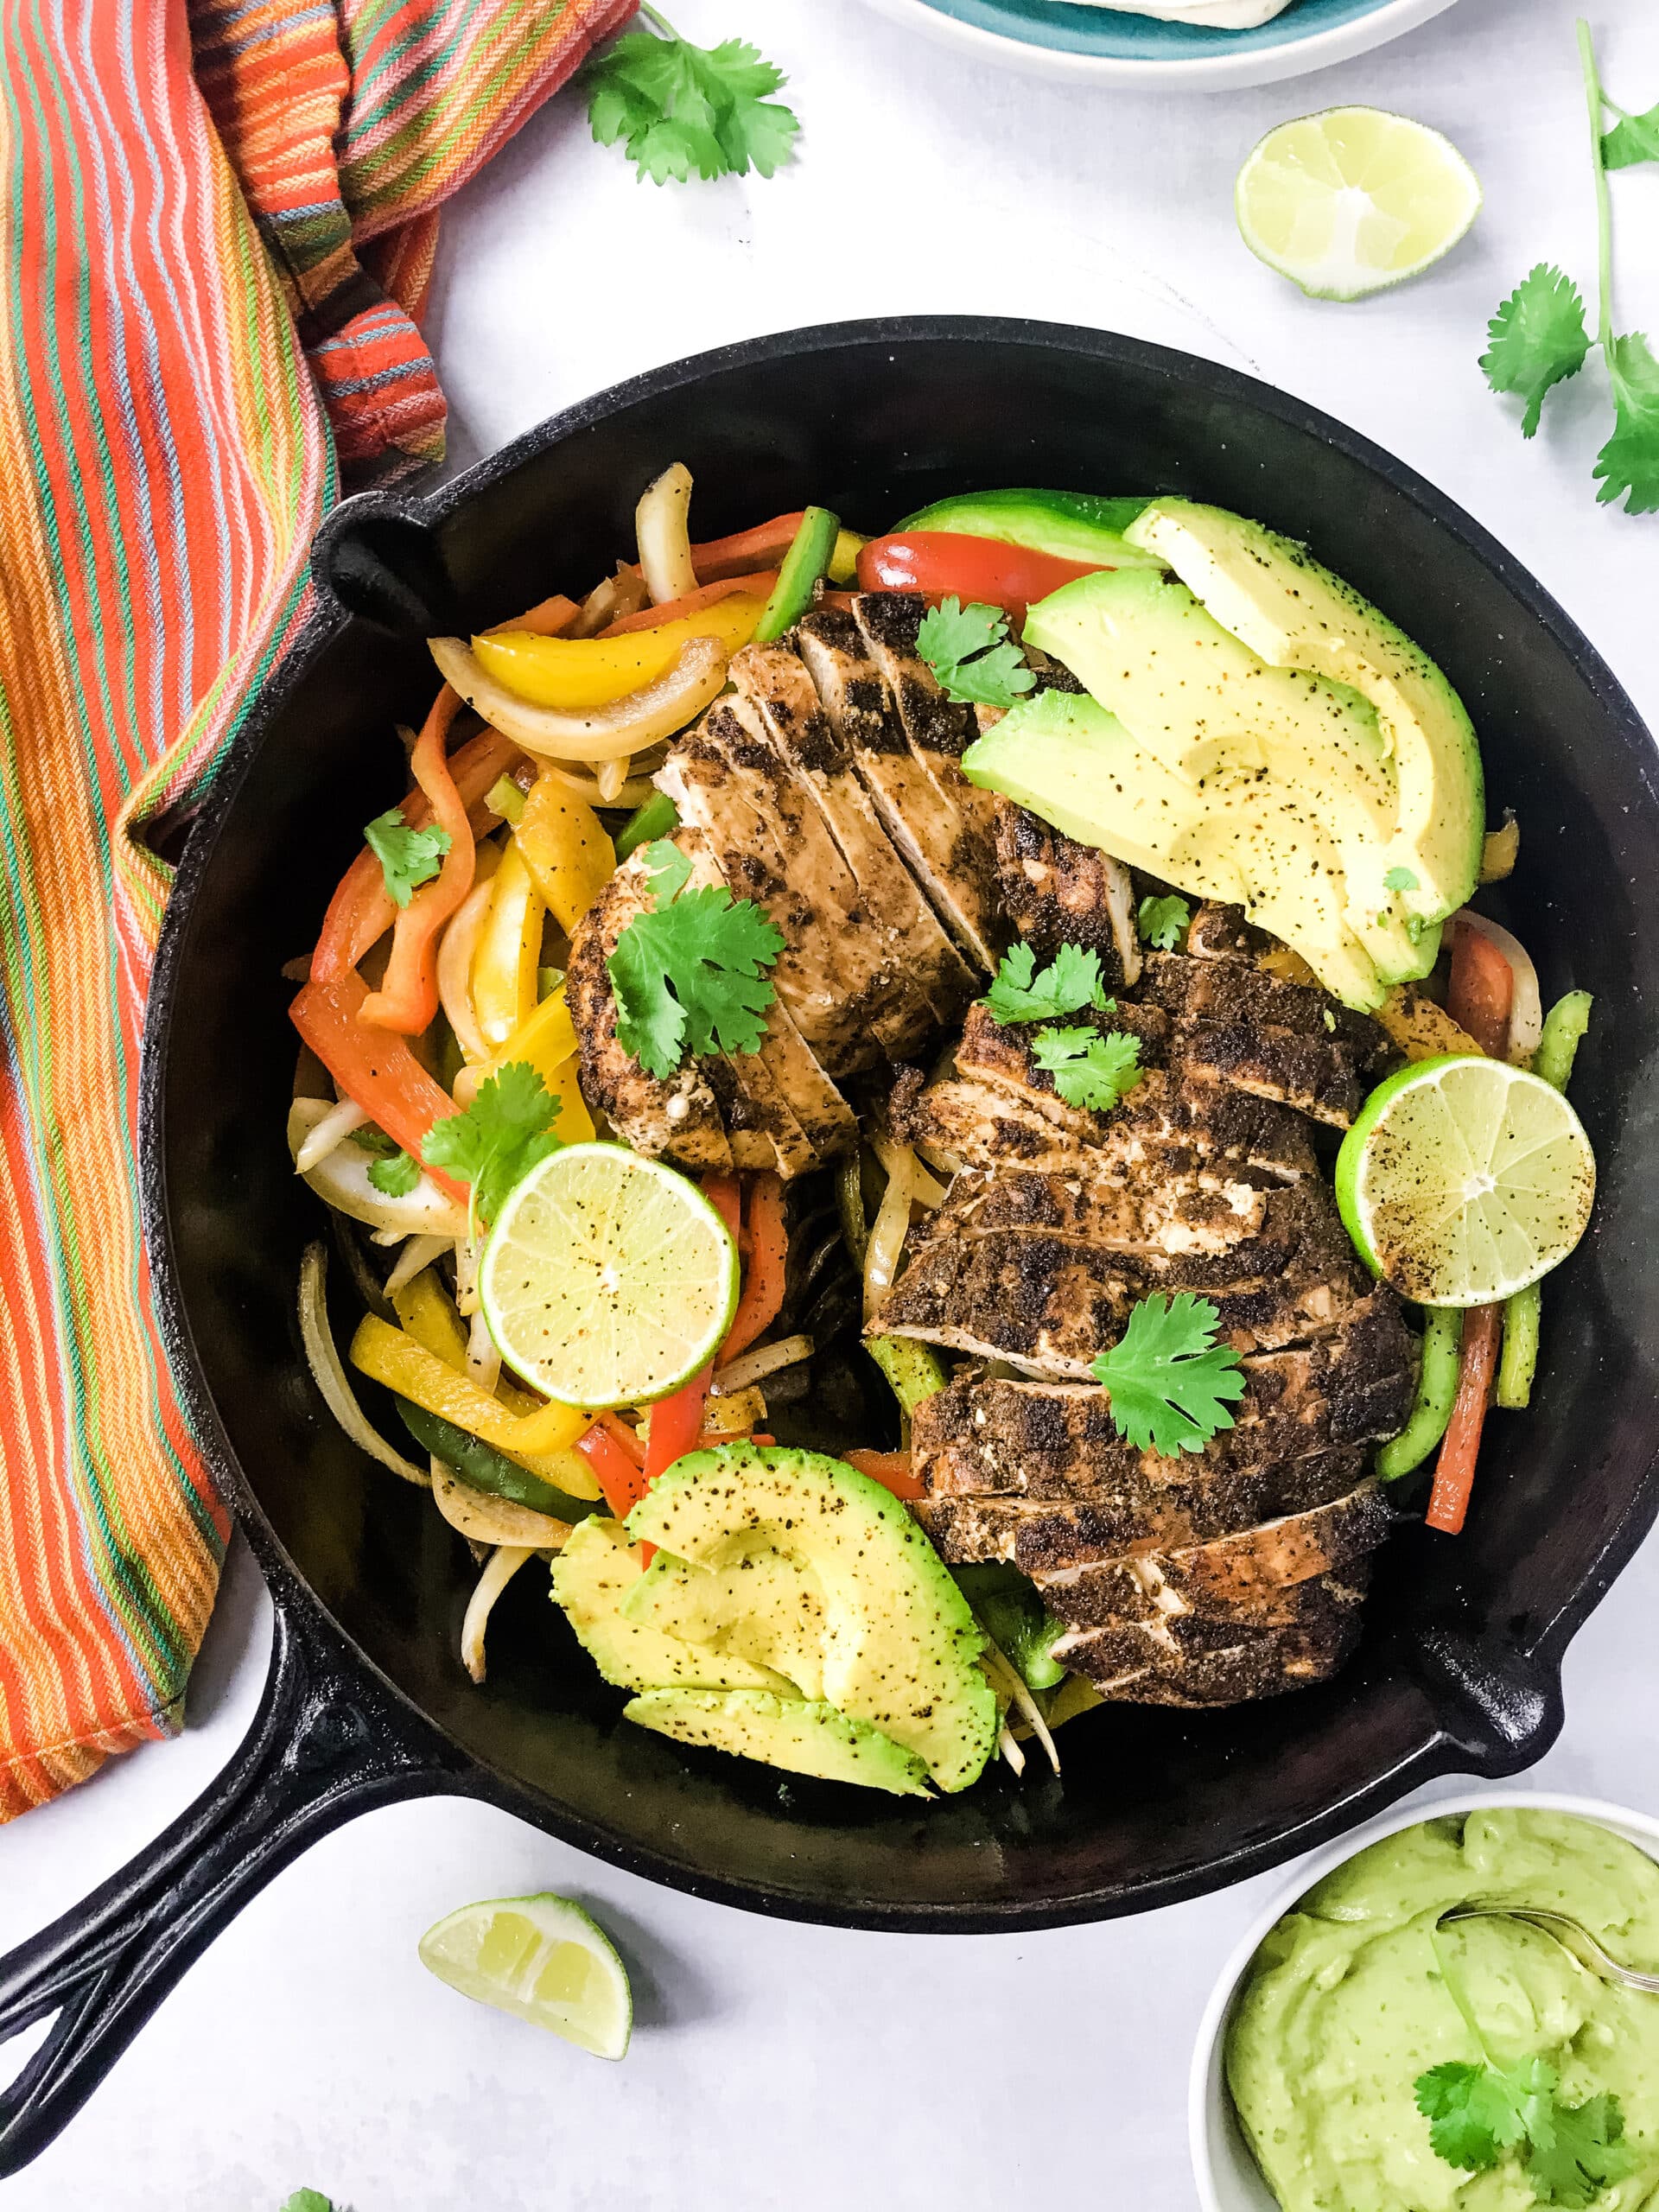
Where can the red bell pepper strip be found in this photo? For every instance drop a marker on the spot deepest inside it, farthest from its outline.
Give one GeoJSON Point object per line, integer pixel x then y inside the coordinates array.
{"type": "Point", "coordinates": [764, 1244]}
{"type": "Point", "coordinates": [408, 997]}
{"type": "Point", "coordinates": [693, 602]}
{"type": "Point", "coordinates": [677, 1422]}
{"type": "Point", "coordinates": [374, 1067]}
{"type": "Point", "coordinates": [1480, 998]}
{"type": "Point", "coordinates": [763, 547]}
{"type": "Point", "coordinates": [939, 562]}
{"type": "Point", "coordinates": [626, 1439]}
{"type": "Point", "coordinates": [548, 618]}
{"type": "Point", "coordinates": [621, 1482]}
{"type": "Point", "coordinates": [891, 1469]}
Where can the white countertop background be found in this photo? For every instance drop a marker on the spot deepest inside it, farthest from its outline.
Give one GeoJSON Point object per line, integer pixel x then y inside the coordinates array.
{"type": "Point", "coordinates": [773, 2064]}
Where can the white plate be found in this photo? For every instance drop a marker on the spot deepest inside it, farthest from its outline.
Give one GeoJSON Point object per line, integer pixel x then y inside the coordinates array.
{"type": "Point", "coordinates": [1226, 60]}
{"type": "Point", "coordinates": [1228, 2177]}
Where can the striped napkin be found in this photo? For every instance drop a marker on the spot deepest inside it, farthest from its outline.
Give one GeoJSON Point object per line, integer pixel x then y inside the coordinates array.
{"type": "Point", "coordinates": [217, 228]}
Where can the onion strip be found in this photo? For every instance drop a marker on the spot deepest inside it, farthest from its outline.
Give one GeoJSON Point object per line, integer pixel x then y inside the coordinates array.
{"type": "Point", "coordinates": [891, 1228]}
{"type": "Point", "coordinates": [503, 1564]}
{"type": "Point", "coordinates": [418, 1252]}
{"type": "Point", "coordinates": [618, 596]}
{"type": "Point", "coordinates": [755, 1366]}
{"type": "Point", "coordinates": [486, 1520]}
{"type": "Point", "coordinates": [455, 950]}
{"type": "Point", "coordinates": [627, 725]}
{"type": "Point", "coordinates": [662, 531]}
{"type": "Point", "coordinates": [332, 1130]}
{"type": "Point", "coordinates": [1526, 1011]}
{"type": "Point", "coordinates": [322, 1357]}
{"type": "Point", "coordinates": [923, 1190]}
{"type": "Point", "coordinates": [997, 1663]}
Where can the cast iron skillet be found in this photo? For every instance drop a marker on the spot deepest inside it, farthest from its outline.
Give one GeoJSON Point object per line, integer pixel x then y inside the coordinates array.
{"type": "Point", "coordinates": [366, 1702]}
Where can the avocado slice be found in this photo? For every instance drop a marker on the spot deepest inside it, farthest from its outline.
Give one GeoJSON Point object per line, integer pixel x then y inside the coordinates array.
{"type": "Point", "coordinates": [767, 1608]}
{"type": "Point", "coordinates": [1074, 764]}
{"type": "Point", "coordinates": [1208, 706]}
{"type": "Point", "coordinates": [591, 1577]}
{"type": "Point", "coordinates": [1075, 526]}
{"type": "Point", "coordinates": [807, 1737]}
{"type": "Point", "coordinates": [1295, 614]}
{"type": "Point", "coordinates": [900, 1646]}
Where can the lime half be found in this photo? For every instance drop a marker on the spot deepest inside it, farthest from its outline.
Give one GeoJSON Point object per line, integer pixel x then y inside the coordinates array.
{"type": "Point", "coordinates": [609, 1279]}
{"type": "Point", "coordinates": [1353, 199]}
{"type": "Point", "coordinates": [1465, 1179]}
{"type": "Point", "coordinates": [542, 1958]}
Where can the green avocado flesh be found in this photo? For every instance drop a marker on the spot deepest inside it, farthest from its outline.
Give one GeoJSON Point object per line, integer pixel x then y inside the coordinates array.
{"type": "Point", "coordinates": [592, 1577]}
{"type": "Point", "coordinates": [1354, 1995]}
{"type": "Point", "coordinates": [1279, 602]}
{"type": "Point", "coordinates": [1074, 525]}
{"type": "Point", "coordinates": [811, 1562]}
{"type": "Point", "coordinates": [804, 1737]}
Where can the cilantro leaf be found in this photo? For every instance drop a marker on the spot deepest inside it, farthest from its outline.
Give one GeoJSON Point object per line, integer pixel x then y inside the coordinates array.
{"type": "Point", "coordinates": [1071, 980]}
{"type": "Point", "coordinates": [1634, 138]}
{"type": "Point", "coordinates": [679, 108]}
{"type": "Point", "coordinates": [1162, 922]}
{"type": "Point", "coordinates": [1629, 462]}
{"type": "Point", "coordinates": [375, 1140]}
{"type": "Point", "coordinates": [1476, 2113]}
{"type": "Point", "coordinates": [395, 1178]}
{"type": "Point", "coordinates": [1089, 1069]}
{"type": "Point", "coordinates": [1400, 878]}
{"type": "Point", "coordinates": [498, 1139]}
{"type": "Point", "coordinates": [308, 2200]}
{"type": "Point", "coordinates": [1537, 338]}
{"type": "Point", "coordinates": [1586, 2151]}
{"type": "Point", "coordinates": [1167, 1381]}
{"type": "Point", "coordinates": [408, 857]}
{"type": "Point", "coordinates": [969, 651]}
{"type": "Point", "coordinates": [689, 976]}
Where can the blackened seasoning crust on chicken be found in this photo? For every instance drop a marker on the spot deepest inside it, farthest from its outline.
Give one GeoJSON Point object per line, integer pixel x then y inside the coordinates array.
{"type": "Point", "coordinates": [1057, 892]}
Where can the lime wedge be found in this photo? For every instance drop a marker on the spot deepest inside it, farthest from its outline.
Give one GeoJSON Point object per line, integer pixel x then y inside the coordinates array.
{"type": "Point", "coordinates": [609, 1279]}
{"type": "Point", "coordinates": [542, 1958]}
{"type": "Point", "coordinates": [1463, 1180]}
{"type": "Point", "coordinates": [1353, 199]}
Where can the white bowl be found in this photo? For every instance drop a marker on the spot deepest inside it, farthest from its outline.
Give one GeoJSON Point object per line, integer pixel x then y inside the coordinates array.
{"type": "Point", "coordinates": [1228, 2177]}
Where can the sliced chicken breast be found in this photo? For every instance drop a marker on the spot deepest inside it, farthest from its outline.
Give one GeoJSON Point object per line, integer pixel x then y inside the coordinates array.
{"type": "Point", "coordinates": [1061, 892]}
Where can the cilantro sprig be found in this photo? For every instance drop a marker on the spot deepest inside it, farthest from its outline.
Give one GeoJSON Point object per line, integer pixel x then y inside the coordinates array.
{"type": "Point", "coordinates": [969, 651]}
{"type": "Point", "coordinates": [496, 1141]}
{"type": "Point", "coordinates": [1163, 922]}
{"type": "Point", "coordinates": [408, 857]}
{"type": "Point", "coordinates": [1477, 2113]}
{"type": "Point", "coordinates": [1540, 335]}
{"type": "Point", "coordinates": [392, 1172]}
{"type": "Point", "coordinates": [1168, 1381]}
{"type": "Point", "coordinates": [1071, 981]}
{"type": "Point", "coordinates": [679, 108]}
{"type": "Point", "coordinates": [1090, 1070]}
{"type": "Point", "coordinates": [689, 977]}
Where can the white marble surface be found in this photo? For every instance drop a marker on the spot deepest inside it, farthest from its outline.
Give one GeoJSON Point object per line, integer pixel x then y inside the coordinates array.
{"type": "Point", "coordinates": [775, 2064]}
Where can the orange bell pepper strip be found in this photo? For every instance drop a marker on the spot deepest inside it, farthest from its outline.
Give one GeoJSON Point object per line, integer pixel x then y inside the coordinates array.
{"type": "Point", "coordinates": [548, 618]}
{"type": "Point", "coordinates": [758, 586]}
{"type": "Point", "coordinates": [1480, 1000]}
{"type": "Point", "coordinates": [766, 1249]}
{"type": "Point", "coordinates": [407, 999]}
{"type": "Point", "coordinates": [374, 1067]}
{"type": "Point", "coordinates": [621, 1478]}
{"type": "Point", "coordinates": [891, 1469]}
{"type": "Point", "coordinates": [762, 547]}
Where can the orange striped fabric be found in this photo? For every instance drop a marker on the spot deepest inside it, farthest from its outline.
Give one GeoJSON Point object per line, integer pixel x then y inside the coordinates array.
{"type": "Point", "coordinates": [217, 229]}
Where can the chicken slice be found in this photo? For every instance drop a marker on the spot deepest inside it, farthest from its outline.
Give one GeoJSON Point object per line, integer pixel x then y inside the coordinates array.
{"type": "Point", "coordinates": [1223, 989]}
{"type": "Point", "coordinates": [1196, 1211]}
{"type": "Point", "coordinates": [1198, 1665]}
{"type": "Point", "coordinates": [1061, 892]}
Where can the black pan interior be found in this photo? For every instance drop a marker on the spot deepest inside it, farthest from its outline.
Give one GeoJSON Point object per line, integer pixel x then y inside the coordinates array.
{"type": "Point", "coordinates": [1459, 1667]}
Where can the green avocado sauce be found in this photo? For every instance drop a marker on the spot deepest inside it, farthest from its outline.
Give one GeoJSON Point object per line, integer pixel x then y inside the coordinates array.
{"type": "Point", "coordinates": [1353, 1995]}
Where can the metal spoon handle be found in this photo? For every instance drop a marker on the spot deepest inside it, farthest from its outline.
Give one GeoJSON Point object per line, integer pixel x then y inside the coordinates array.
{"type": "Point", "coordinates": [1572, 1936]}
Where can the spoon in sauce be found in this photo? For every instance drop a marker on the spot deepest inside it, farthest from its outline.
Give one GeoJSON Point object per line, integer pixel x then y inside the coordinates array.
{"type": "Point", "coordinates": [1571, 1935]}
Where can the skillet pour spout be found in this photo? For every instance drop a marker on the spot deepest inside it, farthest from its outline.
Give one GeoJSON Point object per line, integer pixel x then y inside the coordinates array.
{"type": "Point", "coordinates": [1459, 1666]}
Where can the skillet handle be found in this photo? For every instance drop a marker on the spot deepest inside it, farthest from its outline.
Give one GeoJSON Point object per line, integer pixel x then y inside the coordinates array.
{"type": "Point", "coordinates": [326, 1743]}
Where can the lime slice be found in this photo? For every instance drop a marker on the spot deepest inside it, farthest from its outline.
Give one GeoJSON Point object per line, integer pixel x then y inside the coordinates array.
{"type": "Point", "coordinates": [1463, 1180]}
{"type": "Point", "coordinates": [1353, 199]}
{"type": "Point", "coordinates": [542, 1958]}
{"type": "Point", "coordinates": [609, 1279]}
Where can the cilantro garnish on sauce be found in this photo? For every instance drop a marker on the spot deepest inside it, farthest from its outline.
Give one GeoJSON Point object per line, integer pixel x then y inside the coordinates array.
{"type": "Point", "coordinates": [1168, 1381]}
{"type": "Point", "coordinates": [1476, 2115]}
{"type": "Point", "coordinates": [498, 1139]}
{"type": "Point", "coordinates": [679, 108]}
{"type": "Point", "coordinates": [689, 977]}
{"type": "Point", "coordinates": [969, 651]}
{"type": "Point", "coordinates": [408, 857]}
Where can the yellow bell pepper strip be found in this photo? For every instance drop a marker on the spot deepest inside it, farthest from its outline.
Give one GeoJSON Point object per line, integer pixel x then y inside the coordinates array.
{"type": "Point", "coordinates": [509, 952]}
{"type": "Point", "coordinates": [590, 734]}
{"type": "Point", "coordinates": [537, 1441]}
{"type": "Point", "coordinates": [564, 846]}
{"type": "Point", "coordinates": [428, 1316]}
{"type": "Point", "coordinates": [843, 558]}
{"type": "Point", "coordinates": [576, 672]}
{"type": "Point", "coordinates": [547, 1042]}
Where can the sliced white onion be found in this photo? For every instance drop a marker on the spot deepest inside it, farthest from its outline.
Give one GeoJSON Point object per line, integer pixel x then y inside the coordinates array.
{"type": "Point", "coordinates": [923, 1190]}
{"type": "Point", "coordinates": [465, 1277]}
{"type": "Point", "coordinates": [328, 1373]}
{"type": "Point", "coordinates": [455, 950]}
{"type": "Point", "coordinates": [610, 779]}
{"type": "Point", "coordinates": [341, 1180]}
{"type": "Point", "coordinates": [327, 1131]}
{"type": "Point", "coordinates": [1120, 905]}
{"type": "Point", "coordinates": [595, 733]}
{"type": "Point", "coordinates": [942, 1162]}
{"type": "Point", "coordinates": [483, 1360]}
{"type": "Point", "coordinates": [418, 1255]}
{"type": "Point", "coordinates": [755, 1366]}
{"type": "Point", "coordinates": [891, 1227]}
{"type": "Point", "coordinates": [484, 1519]}
{"type": "Point", "coordinates": [622, 594]}
{"type": "Point", "coordinates": [1527, 1013]}
{"type": "Point", "coordinates": [1001, 1668]}
{"type": "Point", "coordinates": [1008, 1746]}
{"type": "Point", "coordinates": [661, 529]}
{"type": "Point", "coordinates": [502, 1566]}
{"type": "Point", "coordinates": [633, 792]}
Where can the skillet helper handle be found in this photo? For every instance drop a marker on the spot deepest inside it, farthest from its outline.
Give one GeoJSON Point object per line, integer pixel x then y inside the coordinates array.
{"type": "Point", "coordinates": [325, 1744]}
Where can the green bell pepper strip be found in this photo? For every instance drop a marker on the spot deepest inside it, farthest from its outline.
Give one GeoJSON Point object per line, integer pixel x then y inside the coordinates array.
{"type": "Point", "coordinates": [1437, 1386]}
{"type": "Point", "coordinates": [913, 1370]}
{"type": "Point", "coordinates": [1563, 1033]}
{"type": "Point", "coordinates": [486, 1469]}
{"type": "Point", "coordinates": [1015, 1619]}
{"type": "Point", "coordinates": [657, 817]}
{"type": "Point", "coordinates": [804, 563]}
